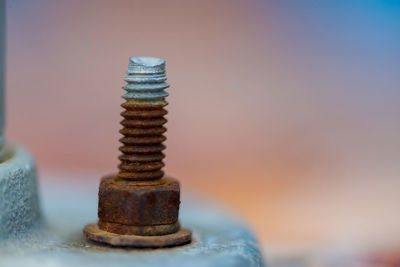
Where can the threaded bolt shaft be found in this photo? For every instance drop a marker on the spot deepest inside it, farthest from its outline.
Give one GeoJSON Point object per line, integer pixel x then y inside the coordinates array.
{"type": "Point", "coordinates": [143, 129]}
{"type": "Point", "coordinates": [136, 207]}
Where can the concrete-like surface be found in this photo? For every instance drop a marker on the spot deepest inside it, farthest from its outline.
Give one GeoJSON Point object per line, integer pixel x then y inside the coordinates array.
{"type": "Point", "coordinates": [19, 207]}
{"type": "Point", "coordinates": [220, 239]}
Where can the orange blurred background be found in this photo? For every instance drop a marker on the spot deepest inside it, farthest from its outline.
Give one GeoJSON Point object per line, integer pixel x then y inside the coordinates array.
{"type": "Point", "coordinates": [287, 111]}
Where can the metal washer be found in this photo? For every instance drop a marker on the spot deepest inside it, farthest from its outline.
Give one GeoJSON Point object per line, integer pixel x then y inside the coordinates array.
{"type": "Point", "coordinates": [93, 232]}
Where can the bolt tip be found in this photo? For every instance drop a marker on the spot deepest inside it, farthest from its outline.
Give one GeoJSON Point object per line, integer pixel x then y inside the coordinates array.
{"type": "Point", "coordinates": [146, 65]}
{"type": "Point", "coordinates": [147, 61]}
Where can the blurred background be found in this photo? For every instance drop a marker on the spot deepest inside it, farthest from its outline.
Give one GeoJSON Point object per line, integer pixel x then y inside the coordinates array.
{"type": "Point", "coordinates": [288, 112]}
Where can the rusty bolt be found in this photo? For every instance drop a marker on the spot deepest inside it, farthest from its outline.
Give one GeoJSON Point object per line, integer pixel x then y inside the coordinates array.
{"type": "Point", "coordinates": [139, 206]}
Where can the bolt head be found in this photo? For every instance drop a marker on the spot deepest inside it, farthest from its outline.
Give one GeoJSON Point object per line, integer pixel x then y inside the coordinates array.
{"type": "Point", "coordinates": [140, 204]}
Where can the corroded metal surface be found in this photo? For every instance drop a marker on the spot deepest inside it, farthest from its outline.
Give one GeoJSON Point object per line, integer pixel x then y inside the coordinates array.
{"type": "Point", "coordinates": [138, 206]}
{"type": "Point", "coordinates": [142, 148]}
{"type": "Point", "coordinates": [127, 203]}
{"type": "Point", "coordinates": [148, 230]}
{"type": "Point", "coordinates": [93, 232]}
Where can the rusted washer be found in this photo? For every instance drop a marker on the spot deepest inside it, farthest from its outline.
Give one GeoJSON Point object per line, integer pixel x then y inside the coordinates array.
{"type": "Point", "coordinates": [93, 232]}
{"type": "Point", "coordinates": [148, 230]}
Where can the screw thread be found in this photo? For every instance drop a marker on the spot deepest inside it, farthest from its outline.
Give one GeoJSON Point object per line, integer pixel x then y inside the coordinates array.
{"type": "Point", "coordinates": [143, 129]}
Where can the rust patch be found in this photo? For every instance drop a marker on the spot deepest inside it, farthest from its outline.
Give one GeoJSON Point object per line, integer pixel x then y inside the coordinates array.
{"type": "Point", "coordinates": [129, 203]}
{"type": "Point", "coordinates": [122, 229]}
{"type": "Point", "coordinates": [93, 232]}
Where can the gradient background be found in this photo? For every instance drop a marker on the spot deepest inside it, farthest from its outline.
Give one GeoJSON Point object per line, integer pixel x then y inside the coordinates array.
{"type": "Point", "coordinates": [287, 111]}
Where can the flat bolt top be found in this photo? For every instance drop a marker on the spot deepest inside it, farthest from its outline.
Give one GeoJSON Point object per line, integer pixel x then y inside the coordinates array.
{"type": "Point", "coordinates": [147, 65]}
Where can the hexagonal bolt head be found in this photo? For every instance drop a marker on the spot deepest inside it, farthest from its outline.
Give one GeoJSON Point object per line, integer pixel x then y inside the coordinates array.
{"type": "Point", "coordinates": [127, 203]}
